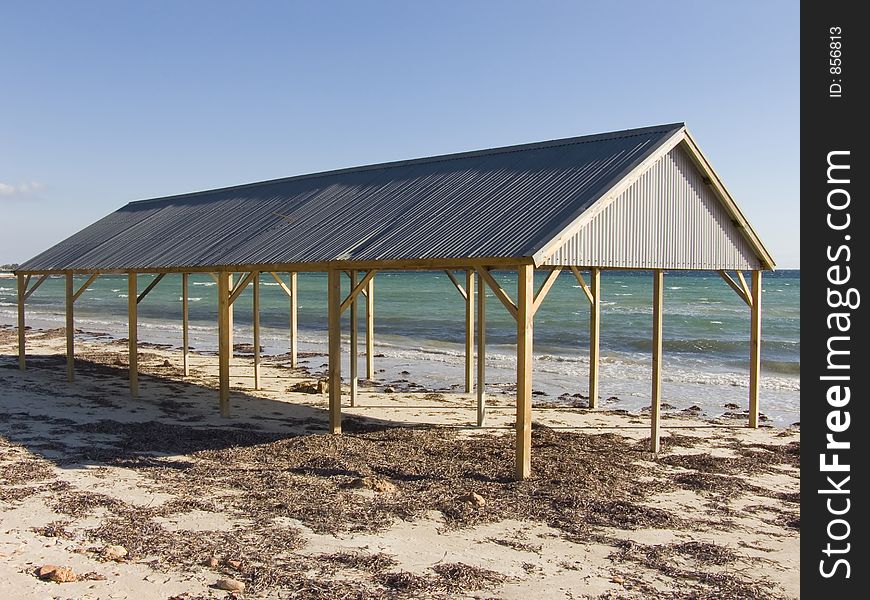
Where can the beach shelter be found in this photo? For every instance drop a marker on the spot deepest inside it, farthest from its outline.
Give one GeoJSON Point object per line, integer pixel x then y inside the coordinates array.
{"type": "Point", "coordinates": [634, 199]}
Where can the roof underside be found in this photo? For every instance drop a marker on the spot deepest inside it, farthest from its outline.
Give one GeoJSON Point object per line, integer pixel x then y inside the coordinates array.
{"type": "Point", "coordinates": [501, 203]}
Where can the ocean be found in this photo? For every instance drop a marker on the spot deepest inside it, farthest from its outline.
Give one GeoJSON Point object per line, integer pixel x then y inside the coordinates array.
{"type": "Point", "coordinates": [419, 329]}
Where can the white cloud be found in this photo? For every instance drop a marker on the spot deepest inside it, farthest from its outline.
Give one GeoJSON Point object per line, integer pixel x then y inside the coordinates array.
{"type": "Point", "coordinates": [28, 188]}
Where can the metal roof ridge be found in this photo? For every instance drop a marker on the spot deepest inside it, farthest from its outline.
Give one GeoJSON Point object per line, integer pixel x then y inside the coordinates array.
{"type": "Point", "coordinates": [555, 143]}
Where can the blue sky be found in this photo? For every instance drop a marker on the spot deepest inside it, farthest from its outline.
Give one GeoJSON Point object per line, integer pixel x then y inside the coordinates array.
{"type": "Point", "coordinates": [106, 102]}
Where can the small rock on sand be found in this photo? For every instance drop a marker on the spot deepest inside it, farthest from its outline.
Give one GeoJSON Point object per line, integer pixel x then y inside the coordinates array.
{"type": "Point", "coordinates": [166, 363]}
{"type": "Point", "coordinates": [306, 387]}
{"type": "Point", "coordinates": [56, 574]}
{"type": "Point", "coordinates": [230, 585]}
{"type": "Point", "coordinates": [115, 553]}
{"type": "Point", "coordinates": [211, 562]}
{"type": "Point", "coordinates": [44, 571]}
{"type": "Point", "coordinates": [235, 564]}
{"type": "Point", "coordinates": [323, 386]}
{"type": "Point", "coordinates": [474, 499]}
{"type": "Point", "coordinates": [389, 390]}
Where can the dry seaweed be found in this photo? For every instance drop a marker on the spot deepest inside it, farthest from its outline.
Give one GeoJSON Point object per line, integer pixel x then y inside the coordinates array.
{"type": "Point", "coordinates": [463, 577]}
{"type": "Point", "coordinates": [370, 563]}
{"type": "Point", "coordinates": [694, 583]}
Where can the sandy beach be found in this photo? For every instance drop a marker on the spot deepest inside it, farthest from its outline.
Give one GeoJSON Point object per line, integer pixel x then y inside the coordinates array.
{"type": "Point", "coordinates": [411, 501]}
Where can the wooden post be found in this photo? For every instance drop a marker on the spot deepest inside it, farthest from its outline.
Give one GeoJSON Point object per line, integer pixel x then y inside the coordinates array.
{"type": "Point", "coordinates": [256, 319]}
{"type": "Point", "coordinates": [658, 286]}
{"type": "Point", "coordinates": [334, 312]}
{"type": "Point", "coordinates": [185, 336]}
{"type": "Point", "coordinates": [224, 341]}
{"type": "Point", "coordinates": [481, 352]}
{"type": "Point", "coordinates": [525, 322]}
{"type": "Point", "coordinates": [22, 289]}
{"type": "Point", "coordinates": [370, 330]}
{"type": "Point", "coordinates": [70, 330]}
{"type": "Point", "coordinates": [354, 340]}
{"type": "Point", "coordinates": [755, 349]}
{"type": "Point", "coordinates": [469, 331]}
{"type": "Point", "coordinates": [230, 284]}
{"type": "Point", "coordinates": [294, 340]}
{"type": "Point", "coordinates": [132, 334]}
{"type": "Point", "coordinates": [594, 335]}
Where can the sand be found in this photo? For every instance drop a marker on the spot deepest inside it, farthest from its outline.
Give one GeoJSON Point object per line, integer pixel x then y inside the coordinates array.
{"type": "Point", "coordinates": [276, 503]}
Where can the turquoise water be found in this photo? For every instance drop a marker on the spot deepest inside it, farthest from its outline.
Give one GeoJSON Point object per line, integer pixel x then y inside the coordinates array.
{"type": "Point", "coordinates": [419, 328]}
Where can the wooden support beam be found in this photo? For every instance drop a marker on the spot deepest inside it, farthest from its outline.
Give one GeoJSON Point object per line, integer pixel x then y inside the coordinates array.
{"type": "Point", "coordinates": [357, 289]}
{"type": "Point", "coordinates": [70, 330]}
{"type": "Point", "coordinates": [132, 334]}
{"type": "Point", "coordinates": [456, 283]}
{"type": "Point", "coordinates": [655, 408]}
{"type": "Point", "coordinates": [291, 294]}
{"type": "Point", "coordinates": [22, 289]}
{"type": "Point", "coordinates": [185, 334]}
{"type": "Point", "coordinates": [525, 321]}
{"type": "Point", "coordinates": [354, 343]}
{"type": "Point", "coordinates": [256, 320]}
{"type": "Point", "coordinates": [85, 286]}
{"type": "Point", "coordinates": [230, 325]}
{"type": "Point", "coordinates": [594, 335]}
{"type": "Point", "coordinates": [34, 287]}
{"type": "Point", "coordinates": [498, 291]}
{"type": "Point", "coordinates": [746, 291]}
{"type": "Point", "coordinates": [755, 349]}
{"type": "Point", "coordinates": [294, 321]}
{"type": "Point", "coordinates": [224, 341]}
{"type": "Point", "coordinates": [583, 286]}
{"type": "Point", "coordinates": [481, 352]}
{"type": "Point", "coordinates": [370, 330]}
{"type": "Point", "coordinates": [214, 277]}
{"type": "Point", "coordinates": [469, 331]}
{"type": "Point", "coordinates": [545, 288]}
{"type": "Point", "coordinates": [281, 283]}
{"type": "Point", "coordinates": [150, 287]}
{"type": "Point", "coordinates": [334, 314]}
{"type": "Point", "coordinates": [739, 290]}
{"type": "Point", "coordinates": [240, 287]}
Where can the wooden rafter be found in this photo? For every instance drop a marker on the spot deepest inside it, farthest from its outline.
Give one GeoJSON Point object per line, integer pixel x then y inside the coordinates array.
{"type": "Point", "coordinates": [85, 286]}
{"type": "Point", "coordinates": [213, 276]}
{"type": "Point", "coordinates": [150, 287]}
{"type": "Point", "coordinates": [545, 288]}
{"type": "Point", "coordinates": [456, 283]}
{"type": "Point", "coordinates": [740, 290]}
{"type": "Point", "coordinates": [498, 291]}
{"type": "Point", "coordinates": [241, 285]}
{"type": "Point", "coordinates": [356, 290]}
{"type": "Point", "coordinates": [32, 289]}
{"type": "Point", "coordinates": [589, 295]}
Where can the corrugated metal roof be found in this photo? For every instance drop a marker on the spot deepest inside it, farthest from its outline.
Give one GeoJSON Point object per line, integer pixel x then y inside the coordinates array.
{"type": "Point", "coordinates": [498, 203]}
